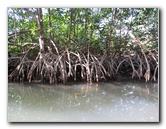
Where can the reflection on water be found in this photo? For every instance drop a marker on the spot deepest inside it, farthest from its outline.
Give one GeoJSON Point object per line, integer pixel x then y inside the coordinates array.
{"type": "Point", "coordinates": [102, 102]}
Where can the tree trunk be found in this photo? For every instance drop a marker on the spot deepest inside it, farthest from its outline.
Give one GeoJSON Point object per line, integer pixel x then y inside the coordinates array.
{"type": "Point", "coordinates": [71, 21]}
{"type": "Point", "coordinates": [111, 30]}
{"type": "Point", "coordinates": [49, 20]}
{"type": "Point", "coordinates": [15, 31]}
{"type": "Point", "coordinates": [41, 32]}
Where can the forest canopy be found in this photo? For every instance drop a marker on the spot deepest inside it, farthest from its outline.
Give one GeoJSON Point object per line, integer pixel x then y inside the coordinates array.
{"type": "Point", "coordinates": [82, 44]}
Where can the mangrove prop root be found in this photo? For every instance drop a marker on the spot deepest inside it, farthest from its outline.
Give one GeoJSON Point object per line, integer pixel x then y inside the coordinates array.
{"type": "Point", "coordinates": [56, 66]}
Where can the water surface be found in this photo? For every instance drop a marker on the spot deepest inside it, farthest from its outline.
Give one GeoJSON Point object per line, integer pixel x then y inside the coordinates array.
{"type": "Point", "coordinates": [100, 102]}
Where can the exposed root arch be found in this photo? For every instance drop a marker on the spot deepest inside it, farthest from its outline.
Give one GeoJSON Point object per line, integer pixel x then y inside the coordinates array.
{"type": "Point", "coordinates": [56, 66]}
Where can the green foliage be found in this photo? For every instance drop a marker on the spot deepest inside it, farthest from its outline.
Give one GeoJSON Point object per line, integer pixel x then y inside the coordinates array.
{"type": "Point", "coordinates": [13, 50]}
{"type": "Point", "coordinates": [79, 24]}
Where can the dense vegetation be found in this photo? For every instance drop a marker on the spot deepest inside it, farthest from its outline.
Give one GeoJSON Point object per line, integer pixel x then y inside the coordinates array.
{"type": "Point", "coordinates": [76, 44]}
